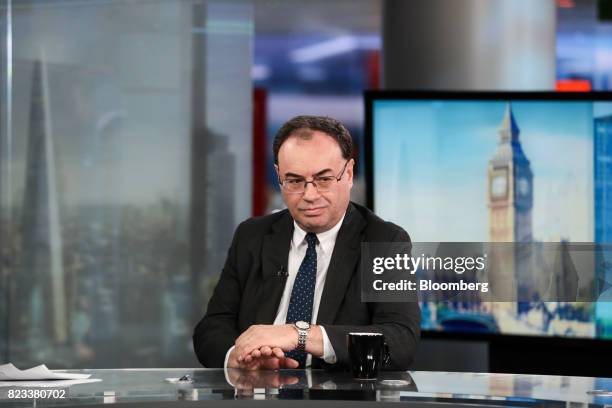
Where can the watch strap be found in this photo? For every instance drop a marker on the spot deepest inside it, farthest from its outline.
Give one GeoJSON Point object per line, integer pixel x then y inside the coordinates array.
{"type": "Point", "coordinates": [302, 335]}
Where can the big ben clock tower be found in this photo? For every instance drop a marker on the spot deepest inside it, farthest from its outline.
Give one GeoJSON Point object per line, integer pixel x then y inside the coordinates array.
{"type": "Point", "coordinates": [510, 186]}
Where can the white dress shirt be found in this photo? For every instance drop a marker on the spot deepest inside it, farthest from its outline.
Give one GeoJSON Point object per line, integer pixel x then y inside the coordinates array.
{"type": "Point", "coordinates": [297, 252]}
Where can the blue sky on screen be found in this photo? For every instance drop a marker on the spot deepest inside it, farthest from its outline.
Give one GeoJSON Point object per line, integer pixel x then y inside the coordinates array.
{"type": "Point", "coordinates": [431, 158]}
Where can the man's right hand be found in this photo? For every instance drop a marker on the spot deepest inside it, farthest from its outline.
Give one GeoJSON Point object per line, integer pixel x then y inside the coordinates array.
{"type": "Point", "coordinates": [264, 358]}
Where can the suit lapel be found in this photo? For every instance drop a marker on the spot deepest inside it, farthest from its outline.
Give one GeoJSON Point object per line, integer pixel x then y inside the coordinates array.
{"type": "Point", "coordinates": [274, 258]}
{"type": "Point", "coordinates": [342, 265]}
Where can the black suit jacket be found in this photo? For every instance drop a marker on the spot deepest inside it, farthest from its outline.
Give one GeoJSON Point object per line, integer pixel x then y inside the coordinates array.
{"type": "Point", "coordinates": [250, 289]}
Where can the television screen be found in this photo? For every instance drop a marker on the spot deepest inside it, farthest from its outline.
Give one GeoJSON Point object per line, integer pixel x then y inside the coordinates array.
{"type": "Point", "coordinates": [497, 167]}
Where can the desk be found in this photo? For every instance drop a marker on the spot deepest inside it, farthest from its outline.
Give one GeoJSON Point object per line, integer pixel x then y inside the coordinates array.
{"type": "Point", "coordinates": [148, 388]}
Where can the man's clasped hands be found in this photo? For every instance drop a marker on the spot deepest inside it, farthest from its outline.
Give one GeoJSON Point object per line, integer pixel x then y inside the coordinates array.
{"type": "Point", "coordinates": [263, 347]}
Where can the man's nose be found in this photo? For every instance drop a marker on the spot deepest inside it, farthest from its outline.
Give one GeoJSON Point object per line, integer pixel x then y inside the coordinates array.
{"type": "Point", "coordinates": [310, 192]}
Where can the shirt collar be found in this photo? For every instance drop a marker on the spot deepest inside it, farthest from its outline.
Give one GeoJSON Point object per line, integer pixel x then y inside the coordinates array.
{"type": "Point", "coordinates": [326, 239]}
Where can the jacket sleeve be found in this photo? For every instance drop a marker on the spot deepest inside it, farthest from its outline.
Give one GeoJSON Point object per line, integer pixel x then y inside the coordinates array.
{"type": "Point", "coordinates": [217, 331]}
{"type": "Point", "coordinates": [399, 322]}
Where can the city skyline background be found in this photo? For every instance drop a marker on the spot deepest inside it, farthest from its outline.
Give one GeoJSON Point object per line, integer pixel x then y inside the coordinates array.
{"type": "Point", "coordinates": [120, 178]}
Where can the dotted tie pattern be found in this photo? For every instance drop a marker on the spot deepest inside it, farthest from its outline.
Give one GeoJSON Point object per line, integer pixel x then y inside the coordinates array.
{"type": "Point", "coordinates": [302, 294]}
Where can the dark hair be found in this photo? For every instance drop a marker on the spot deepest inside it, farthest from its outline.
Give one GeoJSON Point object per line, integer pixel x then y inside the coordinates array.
{"type": "Point", "coordinates": [303, 126]}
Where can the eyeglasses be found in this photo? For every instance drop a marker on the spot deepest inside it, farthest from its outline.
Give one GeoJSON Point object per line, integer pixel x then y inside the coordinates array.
{"type": "Point", "coordinates": [294, 185]}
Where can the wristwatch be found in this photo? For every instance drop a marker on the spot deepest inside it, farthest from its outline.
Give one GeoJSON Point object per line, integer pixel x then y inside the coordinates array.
{"type": "Point", "coordinates": [302, 329]}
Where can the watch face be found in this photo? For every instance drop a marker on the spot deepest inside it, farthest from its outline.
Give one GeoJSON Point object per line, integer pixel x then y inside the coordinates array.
{"type": "Point", "coordinates": [302, 325]}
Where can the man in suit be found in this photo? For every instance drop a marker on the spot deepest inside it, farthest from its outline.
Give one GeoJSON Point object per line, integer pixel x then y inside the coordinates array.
{"type": "Point", "coordinates": [290, 290]}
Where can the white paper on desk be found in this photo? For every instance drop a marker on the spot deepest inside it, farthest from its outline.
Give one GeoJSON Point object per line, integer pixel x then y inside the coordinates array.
{"type": "Point", "coordinates": [8, 372]}
{"type": "Point", "coordinates": [46, 384]}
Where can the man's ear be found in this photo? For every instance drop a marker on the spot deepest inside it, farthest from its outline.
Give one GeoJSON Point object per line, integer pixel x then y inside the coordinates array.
{"type": "Point", "coordinates": [278, 177]}
{"type": "Point", "coordinates": [349, 170]}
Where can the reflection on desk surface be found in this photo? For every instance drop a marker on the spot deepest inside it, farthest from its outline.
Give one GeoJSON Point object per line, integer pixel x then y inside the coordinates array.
{"type": "Point", "coordinates": [431, 388]}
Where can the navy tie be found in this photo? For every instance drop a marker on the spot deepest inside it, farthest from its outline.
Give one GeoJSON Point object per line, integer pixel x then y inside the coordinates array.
{"type": "Point", "coordinates": [302, 294]}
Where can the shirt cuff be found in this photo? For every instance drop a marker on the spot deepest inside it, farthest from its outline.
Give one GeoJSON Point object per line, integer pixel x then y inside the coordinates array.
{"type": "Point", "coordinates": [329, 355]}
{"type": "Point", "coordinates": [225, 365]}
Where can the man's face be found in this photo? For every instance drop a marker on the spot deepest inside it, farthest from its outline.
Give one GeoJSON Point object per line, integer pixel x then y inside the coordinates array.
{"type": "Point", "coordinates": [317, 156]}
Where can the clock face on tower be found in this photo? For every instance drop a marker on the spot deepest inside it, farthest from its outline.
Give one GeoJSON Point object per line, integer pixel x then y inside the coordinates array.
{"type": "Point", "coordinates": [499, 184]}
{"type": "Point", "coordinates": [523, 187]}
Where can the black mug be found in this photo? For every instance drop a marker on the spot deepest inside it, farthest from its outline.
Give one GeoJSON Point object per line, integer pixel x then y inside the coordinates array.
{"type": "Point", "coordinates": [368, 353]}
